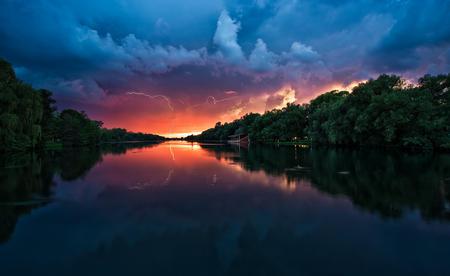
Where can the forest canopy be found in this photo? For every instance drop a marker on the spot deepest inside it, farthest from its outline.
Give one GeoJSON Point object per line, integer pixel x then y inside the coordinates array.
{"type": "Point", "coordinates": [380, 112]}
{"type": "Point", "coordinates": [29, 119]}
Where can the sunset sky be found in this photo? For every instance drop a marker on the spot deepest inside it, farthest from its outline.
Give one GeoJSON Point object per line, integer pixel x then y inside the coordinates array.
{"type": "Point", "coordinates": [175, 67]}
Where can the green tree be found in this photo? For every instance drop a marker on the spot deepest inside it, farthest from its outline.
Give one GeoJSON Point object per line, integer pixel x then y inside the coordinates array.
{"type": "Point", "coordinates": [77, 129]}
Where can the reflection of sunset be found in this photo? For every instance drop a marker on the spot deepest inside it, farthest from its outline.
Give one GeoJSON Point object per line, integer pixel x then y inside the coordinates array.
{"type": "Point", "coordinates": [171, 163]}
{"type": "Point", "coordinates": [224, 137]}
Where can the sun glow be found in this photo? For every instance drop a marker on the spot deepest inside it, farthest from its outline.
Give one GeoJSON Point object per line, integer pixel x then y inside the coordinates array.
{"type": "Point", "coordinates": [342, 87]}
{"type": "Point", "coordinates": [180, 134]}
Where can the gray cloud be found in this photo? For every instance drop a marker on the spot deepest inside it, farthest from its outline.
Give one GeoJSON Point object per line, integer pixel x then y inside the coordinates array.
{"type": "Point", "coordinates": [261, 59]}
{"type": "Point", "coordinates": [199, 48]}
{"type": "Point", "coordinates": [225, 38]}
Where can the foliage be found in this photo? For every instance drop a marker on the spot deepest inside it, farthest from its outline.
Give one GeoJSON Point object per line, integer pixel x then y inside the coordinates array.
{"type": "Point", "coordinates": [285, 124]}
{"type": "Point", "coordinates": [21, 111]}
{"type": "Point", "coordinates": [29, 119]}
{"type": "Point", "coordinates": [122, 135]}
{"type": "Point", "coordinates": [384, 112]}
{"type": "Point", "coordinates": [75, 128]}
{"type": "Point", "coordinates": [380, 112]}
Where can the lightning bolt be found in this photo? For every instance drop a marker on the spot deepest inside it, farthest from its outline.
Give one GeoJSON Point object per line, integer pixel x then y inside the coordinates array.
{"type": "Point", "coordinates": [169, 176]}
{"type": "Point", "coordinates": [165, 98]}
{"type": "Point", "coordinates": [171, 152]}
{"type": "Point", "coordinates": [212, 100]}
{"type": "Point", "coordinates": [215, 101]}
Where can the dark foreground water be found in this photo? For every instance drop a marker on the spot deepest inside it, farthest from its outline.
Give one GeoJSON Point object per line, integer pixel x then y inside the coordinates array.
{"type": "Point", "coordinates": [190, 209]}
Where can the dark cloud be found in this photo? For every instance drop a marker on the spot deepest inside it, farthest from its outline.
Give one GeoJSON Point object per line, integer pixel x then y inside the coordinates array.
{"type": "Point", "coordinates": [191, 50]}
{"type": "Point", "coordinates": [420, 27]}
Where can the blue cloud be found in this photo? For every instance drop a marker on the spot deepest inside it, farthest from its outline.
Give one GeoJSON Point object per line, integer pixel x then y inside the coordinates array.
{"type": "Point", "coordinates": [187, 48]}
{"type": "Point", "coordinates": [422, 26]}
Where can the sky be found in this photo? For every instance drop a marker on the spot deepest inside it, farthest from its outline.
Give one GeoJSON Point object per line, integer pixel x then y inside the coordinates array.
{"type": "Point", "coordinates": [177, 67]}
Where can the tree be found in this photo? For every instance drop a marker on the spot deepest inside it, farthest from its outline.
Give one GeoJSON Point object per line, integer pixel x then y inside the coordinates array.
{"type": "Point", "coordinates": [77, 129]}
{"type": "Point", "coordinates": [20, 113]}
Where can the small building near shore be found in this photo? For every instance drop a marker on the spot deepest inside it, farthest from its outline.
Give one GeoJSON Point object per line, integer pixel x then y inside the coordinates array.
{"type": "Point", "coordinates": [239, 139]}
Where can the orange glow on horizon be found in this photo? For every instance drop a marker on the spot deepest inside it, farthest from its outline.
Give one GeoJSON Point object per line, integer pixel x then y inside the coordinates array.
{"type": "Point", "coordinates": [348, 87]}
{"type": "Point", "coordinates": [139, 114]}
{"type": "Point", "coordinates": [180, 134]}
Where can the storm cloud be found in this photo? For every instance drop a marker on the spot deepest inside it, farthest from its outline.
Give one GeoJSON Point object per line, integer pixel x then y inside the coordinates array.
{"type": "Point", "coordinates": [89, 54]}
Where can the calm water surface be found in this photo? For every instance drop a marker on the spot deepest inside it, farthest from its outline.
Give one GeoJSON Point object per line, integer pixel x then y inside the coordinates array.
{"type": "Point", "coordinates": [193, 209]}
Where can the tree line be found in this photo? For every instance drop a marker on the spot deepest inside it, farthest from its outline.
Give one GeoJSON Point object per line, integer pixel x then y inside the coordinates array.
{"type": "Point", "coordinates": [29, 120]}
{"type": "Point", "coordinates": [379, 112]}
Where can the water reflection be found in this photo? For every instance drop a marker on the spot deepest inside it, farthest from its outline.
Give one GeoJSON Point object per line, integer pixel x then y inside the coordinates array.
{"type": "Point", "coordinates": [27, 179]}
{"type": "Point", "coordinates": [386, 183]}
{"type": "Point", "coordinates": [25, 182]}
{"type": "Point", "coordinates": [189, 209]}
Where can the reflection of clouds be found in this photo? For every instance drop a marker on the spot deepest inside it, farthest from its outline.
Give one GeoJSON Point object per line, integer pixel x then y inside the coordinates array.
{"type": "Point", "coordinates": [247, 213]}
{"type": "Point", "coordinates": [227, 243]}
{"type": "Point", "coordinates": [79, 191]}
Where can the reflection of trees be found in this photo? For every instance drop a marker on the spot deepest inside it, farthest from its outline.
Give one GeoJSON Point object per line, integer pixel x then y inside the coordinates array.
{"type": "Point", "coordinates": [26, 179]}
{"type": "Point", "coordinates": [383, 182]}
{"type": "Point", "coordinates": [271, 159]}
{"type": "Point", "coordinates": [25, 183]}
{"type": "Point", "coordinates": [75, 163]}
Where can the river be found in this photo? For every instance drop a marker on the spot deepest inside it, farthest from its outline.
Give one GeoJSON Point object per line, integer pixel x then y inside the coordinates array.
{"type": "Point", "coordinates": [180, 208]}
